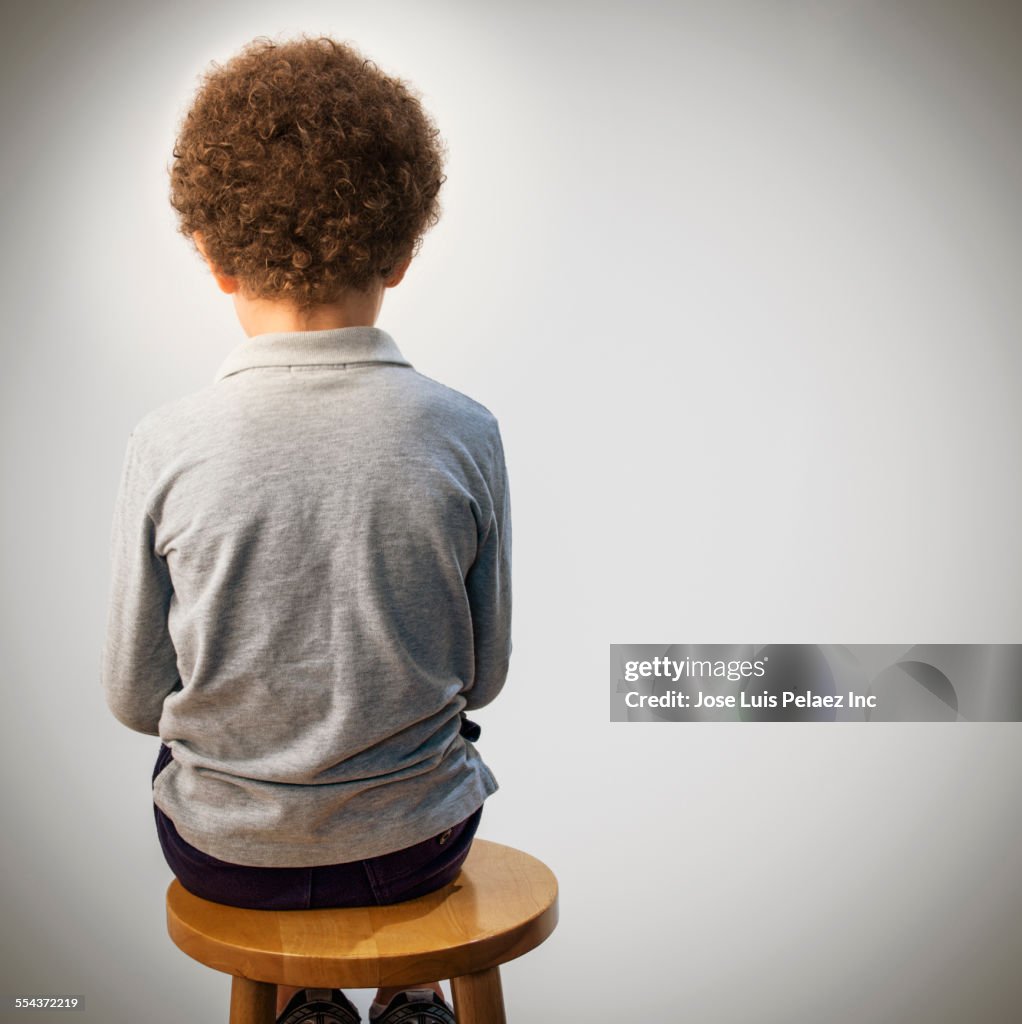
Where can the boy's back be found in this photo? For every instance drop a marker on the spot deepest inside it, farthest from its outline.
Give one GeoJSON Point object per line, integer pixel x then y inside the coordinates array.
{"type": "Point", "coordinates": [337, 530]}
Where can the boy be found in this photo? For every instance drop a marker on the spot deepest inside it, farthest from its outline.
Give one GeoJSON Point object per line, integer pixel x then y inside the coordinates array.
{"type": "Point", "coordinates": [311, 556]}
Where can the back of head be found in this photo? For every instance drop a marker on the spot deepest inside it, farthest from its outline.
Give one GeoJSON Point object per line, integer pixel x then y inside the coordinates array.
{"type": "Point", "coordinates": [307, 172]}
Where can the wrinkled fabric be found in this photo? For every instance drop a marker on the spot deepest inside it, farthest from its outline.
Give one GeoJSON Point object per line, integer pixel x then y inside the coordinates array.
{"type": "Point", "coordinates": [310, 582]}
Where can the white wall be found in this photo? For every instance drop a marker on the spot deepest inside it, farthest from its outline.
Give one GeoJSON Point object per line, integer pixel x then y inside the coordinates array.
{"type": "Point", "coordinates": [741, 283]}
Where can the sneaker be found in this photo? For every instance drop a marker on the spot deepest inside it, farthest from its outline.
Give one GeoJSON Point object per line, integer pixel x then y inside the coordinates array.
{"type": "Point", "coordinates": [319, 1006]}
{"type": "Point", "coordinates": [416, 1006]}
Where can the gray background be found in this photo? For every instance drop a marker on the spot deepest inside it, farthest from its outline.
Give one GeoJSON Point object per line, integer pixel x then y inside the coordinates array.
{"type": "Point", "coordinates": [741, 282]}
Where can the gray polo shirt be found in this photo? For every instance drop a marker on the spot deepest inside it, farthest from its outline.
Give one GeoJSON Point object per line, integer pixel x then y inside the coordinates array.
{"type": "Point", "coordinates": [311, 565]}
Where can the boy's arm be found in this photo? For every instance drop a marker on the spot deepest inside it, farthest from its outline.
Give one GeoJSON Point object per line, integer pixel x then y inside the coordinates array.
{"type": "Point", "coordinates": [139, 663]}
{"type": "Point", "coordinates": [489, 593]}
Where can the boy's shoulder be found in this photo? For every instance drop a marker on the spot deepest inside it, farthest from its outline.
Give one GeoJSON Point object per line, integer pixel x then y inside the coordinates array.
{"type": "Point", "coordinates": [180, 423]}
{"type": "Point", "coordinates": [171, 415]}
{"type": "Point", "coordinates": [448, 398]}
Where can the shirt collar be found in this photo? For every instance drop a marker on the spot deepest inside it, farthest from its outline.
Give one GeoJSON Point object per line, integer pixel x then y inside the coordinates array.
{"type": "Point", "coordinates": [335, 347]}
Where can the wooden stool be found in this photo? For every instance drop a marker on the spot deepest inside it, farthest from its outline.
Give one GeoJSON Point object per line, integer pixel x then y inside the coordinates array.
{"type": "Point", "coordinates": [501, 905]}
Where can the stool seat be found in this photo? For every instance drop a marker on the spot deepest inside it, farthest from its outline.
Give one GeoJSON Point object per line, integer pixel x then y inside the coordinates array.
{"type": "Point", "coordinates": [502, 904]}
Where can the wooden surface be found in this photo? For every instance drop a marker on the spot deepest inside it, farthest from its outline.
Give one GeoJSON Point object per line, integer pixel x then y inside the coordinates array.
{"type": "Point", "coordinates": [478, 997]}
{"type": "Point", "coordinates": [501, 905]}
{"type": "Point", "coordinates": [253, 1002]}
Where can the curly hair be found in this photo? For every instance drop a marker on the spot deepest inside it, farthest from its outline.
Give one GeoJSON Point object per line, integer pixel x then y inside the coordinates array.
{"type": "Point", "coordinates": [306, 170]}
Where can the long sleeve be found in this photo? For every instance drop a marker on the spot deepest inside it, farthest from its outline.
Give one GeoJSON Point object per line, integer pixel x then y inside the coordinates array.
{"type": "Point", "coordinates": [489, 593]}
{"type": "Point", "coordinates": [139, 662]}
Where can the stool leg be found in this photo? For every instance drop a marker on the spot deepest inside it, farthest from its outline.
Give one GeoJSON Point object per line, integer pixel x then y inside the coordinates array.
{"type": "Point", "coordinates": [478, 998]}
{"type": "Point", "coordinates": [253, 1002]}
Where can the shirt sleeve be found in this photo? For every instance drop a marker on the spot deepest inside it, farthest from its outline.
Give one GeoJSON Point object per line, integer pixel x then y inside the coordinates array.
{"type": "Point", "coordinates": [489, 593]}
{"type": "Point", "coordinates": [139, 662]}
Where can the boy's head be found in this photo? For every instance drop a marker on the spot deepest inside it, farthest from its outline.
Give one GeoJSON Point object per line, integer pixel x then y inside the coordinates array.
{"type": "Point", "coordinates": [307, 173]}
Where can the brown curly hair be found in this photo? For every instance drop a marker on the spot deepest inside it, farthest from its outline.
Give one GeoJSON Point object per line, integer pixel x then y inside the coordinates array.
{"type": "Point", "coordinates": [306, 170]}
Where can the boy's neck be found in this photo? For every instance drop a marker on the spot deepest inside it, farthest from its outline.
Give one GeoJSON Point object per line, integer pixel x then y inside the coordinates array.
{"type": "Point", "coordinates": [265, 316]}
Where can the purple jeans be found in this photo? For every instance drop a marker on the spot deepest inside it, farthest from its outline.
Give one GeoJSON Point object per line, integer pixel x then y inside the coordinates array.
{"type": "Point", "coordinates": [389, 878]}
